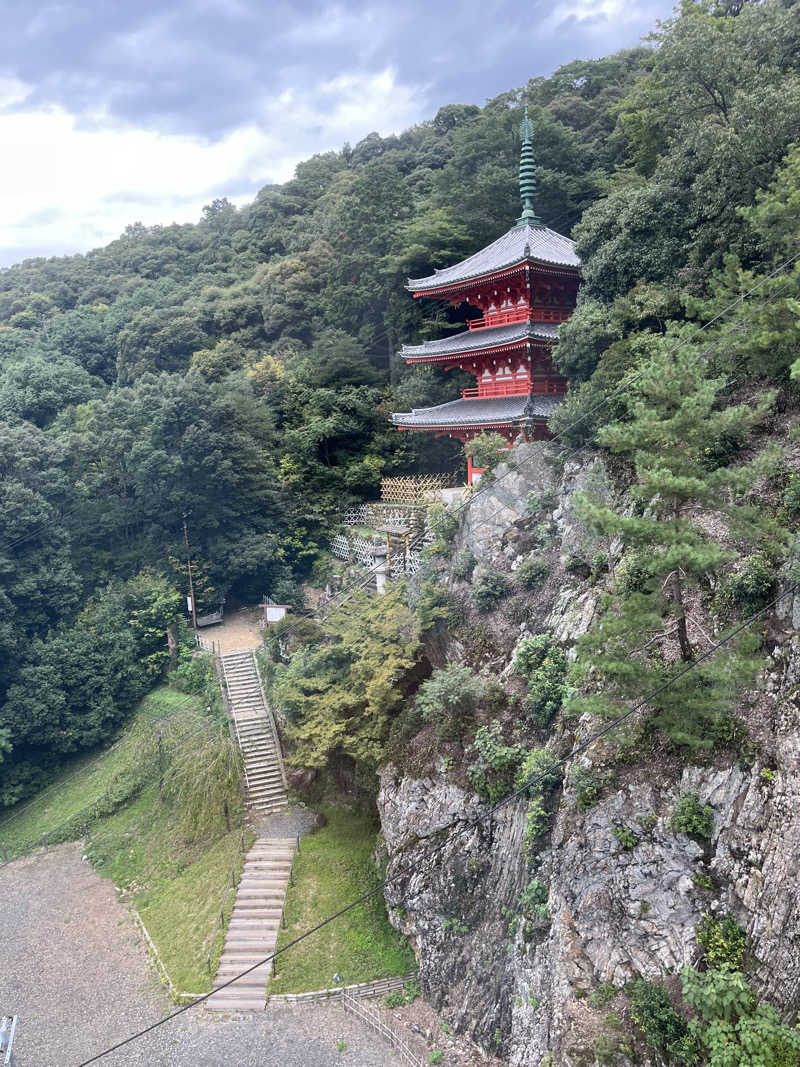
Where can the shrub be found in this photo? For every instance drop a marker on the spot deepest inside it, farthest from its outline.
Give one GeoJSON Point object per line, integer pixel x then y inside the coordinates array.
{"type": "Point", "coordinates": [692, 817]}
{"type": "Point", "coordinates": [603, 995]}
{"type": "Point", "coordinates": [724, 942]}
{"type": "Point", "coordinates": [599, 565]}
{"type": "Point", "coordinates": [435, 604]}
{"type": "Point", "coordinates": [533, 900]}
{"type": "Point", "coordinates": [193, 674]}
{"type": "Point", "coordinates": [540, 503]}
{"type": "Point", "coordinates": [449, 698]}
{"type": "Point", "coordinates": [731, 1027]}
{"type": "Point", "coordinates": [487, 449]}
{"type": "Point", "coordinates": [532, 572]}
{"type": "Point", "coordinates": [442, 525]}
{"type": "Point", "coordinates": [489, 588]}
{"type": "Point", "coordinates": [454, 928]}
{"type": "Point", "coordinates": [791, 497]}
{"type": "Point", "coordinates": [663, 1027]}
{"type": "Point", "coordinates": [542, 663]}
{"type": "Point", "coordinates": [463, 564]}
{"type": "Point", "coordinates": [632, 574]}
{"type": "Point", "coordinates": [578, 566]}
{"type": "Point", "coordinates": [493, 775]}
{"type": "Point", "coordinates": [750, 588]}
{"type": "Point", "coordinates": [626, 837]}
{"type": "Point", "coordinates": [587, 785]}
{"type": "Point", "coordinates": [412, 991]}
{"type": "Point", "coordinates": [537, 767]}
{"type": "Point", "coordinates": [436, 1056]}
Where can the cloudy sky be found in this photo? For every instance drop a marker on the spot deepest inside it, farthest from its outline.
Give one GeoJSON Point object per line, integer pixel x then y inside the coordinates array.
{"type": "Point", "coordinates": [117, 111]}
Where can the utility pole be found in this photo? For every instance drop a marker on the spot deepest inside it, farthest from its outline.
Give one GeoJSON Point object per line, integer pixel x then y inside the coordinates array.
{"type": "Point", "coordinates": [189, 567]}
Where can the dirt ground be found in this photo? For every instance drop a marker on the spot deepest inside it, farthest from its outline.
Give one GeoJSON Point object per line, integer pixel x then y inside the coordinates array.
{"type": "Point", "coordinates": [75, 971]}
{"type": "Point", "coordinates": [239, 630]}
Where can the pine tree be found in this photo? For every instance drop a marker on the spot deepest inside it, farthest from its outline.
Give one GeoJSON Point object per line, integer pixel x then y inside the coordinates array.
{"type": "Point", "coordinates": [678, 440]}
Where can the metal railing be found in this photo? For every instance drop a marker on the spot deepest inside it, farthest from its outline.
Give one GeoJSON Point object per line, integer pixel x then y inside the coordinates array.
{"type": "Point", "coordinates": [219, 923]}
{"type": "Point", "coordinates": [369, 1015]}
{"type": "Point", "coordinates": [273, 729]}
{"type": "Point", "coordinates": [377, 988]}
{"type": "Point", "coordinates": [289, 885]}
{"type": "Point", "coordinates": [8, 1028]}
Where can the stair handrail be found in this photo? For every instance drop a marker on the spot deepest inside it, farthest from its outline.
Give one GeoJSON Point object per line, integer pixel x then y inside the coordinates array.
{"type": "Point", "coordinates": [220, 919]}
{"type": "Point", "coordinates": [272, 725]}
{"type": "Point", "coordinates": [235, 724]}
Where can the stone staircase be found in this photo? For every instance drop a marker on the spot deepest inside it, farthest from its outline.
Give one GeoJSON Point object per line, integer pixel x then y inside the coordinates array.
{"type": "Point", "coordinates": [253, 929]}
{"type": "Point", "coordinates": [255, 729]}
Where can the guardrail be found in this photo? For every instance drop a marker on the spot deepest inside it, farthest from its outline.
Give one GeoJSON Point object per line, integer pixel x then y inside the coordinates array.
{"type": "Point", "coordinates": [219, 923]}
{"type": "Point", "coordinates": [362, 990]}
{"type": "Point", "coordinates": [8, 1028]}
{"type": "Point", "coordinates": [370, 1016]}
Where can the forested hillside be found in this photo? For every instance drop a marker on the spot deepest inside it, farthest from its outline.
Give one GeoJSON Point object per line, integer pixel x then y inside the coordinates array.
{"type": "Point", "coordinates": [238, 372]}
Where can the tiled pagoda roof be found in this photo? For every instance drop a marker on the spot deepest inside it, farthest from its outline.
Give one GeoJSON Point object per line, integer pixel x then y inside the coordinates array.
{"type": "Point", "coordinates": [477, 412]}
{"type": "Point", "coordinates": [536, 244]}
{"type": "Point", "coordinates": [477, 340]}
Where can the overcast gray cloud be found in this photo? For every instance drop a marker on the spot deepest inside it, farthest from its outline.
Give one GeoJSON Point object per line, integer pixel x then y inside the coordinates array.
{"type": "Point", "coordinates": [113, 112]}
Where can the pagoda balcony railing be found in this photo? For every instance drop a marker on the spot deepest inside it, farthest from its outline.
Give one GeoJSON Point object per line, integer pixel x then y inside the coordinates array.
{"type": "Point", "coordinates": [520, 314]}
{"type": "Point", "coordinates": [511, 388]}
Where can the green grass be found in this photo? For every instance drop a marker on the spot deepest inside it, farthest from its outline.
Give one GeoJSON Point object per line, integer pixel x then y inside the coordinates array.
{"type": "Point", "coordinates": [177, 886]}
{"type": "Point", "coordinates": [335, 866]}
{"type": "Point", "coordinates": [80, 783]}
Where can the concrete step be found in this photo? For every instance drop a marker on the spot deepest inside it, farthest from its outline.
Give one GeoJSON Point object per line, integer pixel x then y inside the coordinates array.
{"type": "Point", "coordinates": [224, 1002]}
{"type": "Point", "coordinates": [256, 977]}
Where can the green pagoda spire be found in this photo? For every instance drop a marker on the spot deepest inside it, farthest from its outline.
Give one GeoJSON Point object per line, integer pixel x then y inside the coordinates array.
{"type": "Point", "coordinates": [527, 176]}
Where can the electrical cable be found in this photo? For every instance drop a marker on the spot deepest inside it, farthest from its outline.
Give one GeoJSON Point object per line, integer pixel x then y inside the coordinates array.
{"type": "Point", "coordinates": [601, 403]}
{"type": "Point", "coordinates": [470, 825]}
{"type": "Point", "coordinates": [179, 705]}
{"type": "Point", "coordinates": [338, 598]}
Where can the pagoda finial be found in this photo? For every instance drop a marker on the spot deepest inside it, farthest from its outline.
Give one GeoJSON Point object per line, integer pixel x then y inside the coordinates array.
{"type": "Point", "coordinates": [527, 175]}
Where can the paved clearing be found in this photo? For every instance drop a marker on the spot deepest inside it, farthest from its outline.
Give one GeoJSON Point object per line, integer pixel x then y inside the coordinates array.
{"type": "Point", "coordinates": [73, 967]}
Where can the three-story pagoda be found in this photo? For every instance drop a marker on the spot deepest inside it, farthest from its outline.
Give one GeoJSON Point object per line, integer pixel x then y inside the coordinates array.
{"type": "Point", "coordinates": [523, 285]}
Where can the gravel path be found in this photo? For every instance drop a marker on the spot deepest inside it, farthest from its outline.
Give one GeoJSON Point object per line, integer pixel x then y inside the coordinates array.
{"type": "Point", "coordinates": [285, 1035]}
{"type": "Point", "coordinates": [297, 821]}
{"type": "Point", "coordinates": [74, 969]}
{"type": "Point", "coordinates": [71, 962]}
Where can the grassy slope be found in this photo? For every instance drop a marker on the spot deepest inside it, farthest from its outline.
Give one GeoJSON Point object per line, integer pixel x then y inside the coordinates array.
{"type": "Point", "coordinates": [177, 886]}
{"type": "Point", "coordinates": [334, 866]}
{"type": "Point", "coordinates": [81, 782]}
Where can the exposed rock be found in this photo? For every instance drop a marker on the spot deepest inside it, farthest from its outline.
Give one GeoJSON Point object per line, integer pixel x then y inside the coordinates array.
{"type": "Point", "coordinates": [520, 987]}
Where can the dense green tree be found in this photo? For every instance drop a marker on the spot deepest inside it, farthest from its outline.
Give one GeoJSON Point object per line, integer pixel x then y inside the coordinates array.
{"type": "Point", "coordinates": [340, 694]}
{"type": "Point", "coordinates": [37, 389]}
{"type": "Point", "coordinates": [672, 436]}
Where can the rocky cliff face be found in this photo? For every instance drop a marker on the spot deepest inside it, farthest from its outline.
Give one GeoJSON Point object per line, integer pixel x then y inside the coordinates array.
{"type": "Point", "coordinates": [523, 988]}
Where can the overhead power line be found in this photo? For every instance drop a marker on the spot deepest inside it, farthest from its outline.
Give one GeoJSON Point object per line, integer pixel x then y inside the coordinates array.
{"type": "Point", "coordinates": [460, 827]}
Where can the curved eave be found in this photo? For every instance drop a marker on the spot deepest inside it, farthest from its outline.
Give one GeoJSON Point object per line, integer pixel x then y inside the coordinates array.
{"type": "Point", "coordinates": [445, 291]}
{"type": "Point", "coordinates": [475, 412]}
{"type": "Point", "coordinates": [471, 343]}
{"type": "Point", "coordinates": [521, 246]}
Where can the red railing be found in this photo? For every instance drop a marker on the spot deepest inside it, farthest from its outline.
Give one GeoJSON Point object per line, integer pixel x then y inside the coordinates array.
{"type": "Point", "coordinates": [520, 314]}
{"type": "Point", "coordinates": [511, 388]}
{"type": "Point", "coordinates": [500, 318]}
